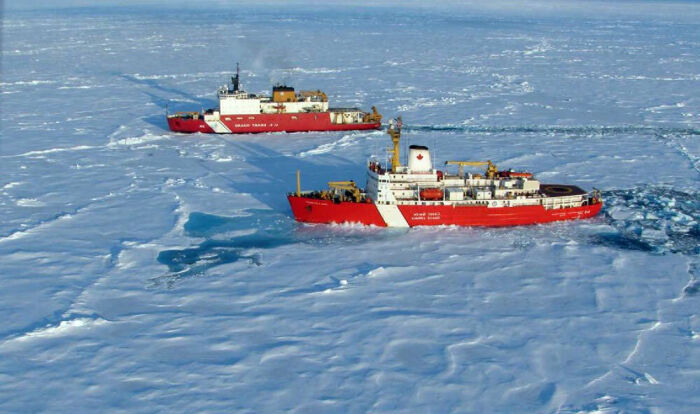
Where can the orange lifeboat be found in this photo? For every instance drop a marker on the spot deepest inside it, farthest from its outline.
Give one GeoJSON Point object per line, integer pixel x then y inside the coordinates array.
{"type": "Point", "coordinates": [431, 194]}
{"type": "Point", "coordinates": [514, 174]}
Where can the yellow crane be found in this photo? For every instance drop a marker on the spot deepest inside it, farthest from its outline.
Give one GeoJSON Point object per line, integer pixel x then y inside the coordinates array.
{"type": "Point", "coordinates": [491, 169]}
{"type": "Point", "coordinates": [344, 186]}
{"type": "Point", "coordinates": [375, 116]}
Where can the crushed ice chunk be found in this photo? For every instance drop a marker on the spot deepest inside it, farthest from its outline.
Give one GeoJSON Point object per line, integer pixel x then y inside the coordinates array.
{"type": "Point", "coordinates": [651, 379]}
{"type": "Point", "coordinates": [654, 234]}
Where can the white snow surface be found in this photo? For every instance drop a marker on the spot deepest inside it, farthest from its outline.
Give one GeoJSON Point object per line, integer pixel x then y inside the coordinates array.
{"type": "Point", "coordinates": [148, 271]}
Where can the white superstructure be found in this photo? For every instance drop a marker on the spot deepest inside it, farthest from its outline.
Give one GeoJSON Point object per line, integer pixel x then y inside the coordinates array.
{"type": "Point", "coordinates": [243, 103]}
{"type": "Point", "coordinates": [420, 184]}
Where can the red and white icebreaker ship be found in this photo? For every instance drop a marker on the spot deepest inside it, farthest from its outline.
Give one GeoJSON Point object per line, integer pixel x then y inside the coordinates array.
{"type": "Point", "coordinates": [240, 112]}
{"type": "Point", "coordinates": [419, 195]}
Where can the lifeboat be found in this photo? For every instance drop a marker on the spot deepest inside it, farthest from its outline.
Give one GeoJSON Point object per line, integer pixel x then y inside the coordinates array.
{"type": "Point", "coordinates": [431, 194]}
{"type": "Point", "coordinates": [515, 174]}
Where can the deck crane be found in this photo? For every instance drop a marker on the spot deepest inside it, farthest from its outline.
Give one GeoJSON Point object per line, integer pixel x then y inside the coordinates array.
{"type": "Point", "coordinates": [491, 169]}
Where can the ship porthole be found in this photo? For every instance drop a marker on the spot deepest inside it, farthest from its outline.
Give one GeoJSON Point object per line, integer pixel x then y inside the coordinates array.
{"type": "Point", "coordinates": [308, 208]}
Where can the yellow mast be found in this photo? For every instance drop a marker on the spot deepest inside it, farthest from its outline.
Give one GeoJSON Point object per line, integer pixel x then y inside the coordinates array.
{"type": "Point", "coordinates": [298, 184]}
{"type": "Point", "coordinates": [394, 132]}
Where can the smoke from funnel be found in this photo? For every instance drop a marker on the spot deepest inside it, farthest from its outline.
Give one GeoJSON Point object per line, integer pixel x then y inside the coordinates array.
{"type": "Point", "coordinates": [272, 64]}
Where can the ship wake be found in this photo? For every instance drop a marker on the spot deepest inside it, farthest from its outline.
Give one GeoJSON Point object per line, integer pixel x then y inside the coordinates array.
{"type": "Point", "coordinates": [655, 219]}
{"type": "Point", "coordinates": [583, 130]}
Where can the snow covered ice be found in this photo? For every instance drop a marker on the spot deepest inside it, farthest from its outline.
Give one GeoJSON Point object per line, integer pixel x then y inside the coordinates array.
{"type": "Point", "coordinates": [147, 271]}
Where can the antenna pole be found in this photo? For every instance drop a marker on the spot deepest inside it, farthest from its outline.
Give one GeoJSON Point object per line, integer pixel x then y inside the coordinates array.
{"type": "Point", "coordinates": [298, 184]}
{"type": "Point", "coordinates": [432, 159]}
{"type": "Point", "coordinates": [236, 80]}
{"type": "Point", "coordinates": [394, 132]}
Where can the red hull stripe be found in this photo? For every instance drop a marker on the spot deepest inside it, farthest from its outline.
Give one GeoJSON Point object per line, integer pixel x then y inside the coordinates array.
{"type": "Point", "coordinates": [322, 211]}
{"type": "Point", "coordinates": [293, 122]}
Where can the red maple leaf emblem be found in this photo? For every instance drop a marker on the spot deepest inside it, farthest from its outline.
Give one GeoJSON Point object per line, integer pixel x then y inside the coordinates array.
{"type": "Point", "coordinates": [420, 156]}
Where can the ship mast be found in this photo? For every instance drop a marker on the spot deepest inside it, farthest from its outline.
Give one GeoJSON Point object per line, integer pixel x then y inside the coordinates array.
{"type": "Point", "coordinates": [236, 80]}
{"type": "Point", "coordinates": [394, 132]}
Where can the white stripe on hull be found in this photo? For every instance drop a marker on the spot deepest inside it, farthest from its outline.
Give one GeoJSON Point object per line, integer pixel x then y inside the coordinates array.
{"type": "Point", "coordinates": [218, 127]}
{"type": "Point", "coordinates": [392, 215]}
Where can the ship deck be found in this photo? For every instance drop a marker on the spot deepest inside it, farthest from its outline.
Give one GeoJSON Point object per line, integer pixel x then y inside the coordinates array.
{"type": "Point", "coordinates": [561, 190]}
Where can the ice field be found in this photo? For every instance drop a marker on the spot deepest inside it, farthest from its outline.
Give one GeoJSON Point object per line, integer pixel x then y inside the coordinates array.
{"type": "Point", "coordinates": [147, 271]}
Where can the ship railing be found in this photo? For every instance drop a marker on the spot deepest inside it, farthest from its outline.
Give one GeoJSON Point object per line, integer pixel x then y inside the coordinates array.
{"type": "Point", "coordinates": [185, 115]}
{"type": "Point", "coordinates": [344, 110]}
{"type": "Point", "coordinates": [559, 204]}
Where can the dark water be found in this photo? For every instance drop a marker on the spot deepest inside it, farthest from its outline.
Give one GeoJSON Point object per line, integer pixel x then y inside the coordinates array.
{"type": "Point", "coordinates": [258, 229]}
{"type": "Point", "coordinates": [233, 239]}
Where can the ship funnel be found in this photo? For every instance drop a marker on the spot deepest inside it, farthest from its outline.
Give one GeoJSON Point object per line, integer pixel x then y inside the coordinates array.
{"type": "Point", "coordinates": [419, 159]}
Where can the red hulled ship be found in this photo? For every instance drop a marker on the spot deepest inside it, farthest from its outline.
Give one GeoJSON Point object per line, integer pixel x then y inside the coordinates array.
{"type": "Point", "coordinates": [419, 195]}
{"type": "Point", "coordinates": [240, 112]}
